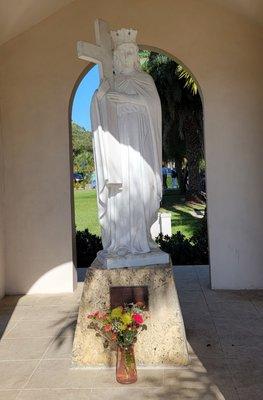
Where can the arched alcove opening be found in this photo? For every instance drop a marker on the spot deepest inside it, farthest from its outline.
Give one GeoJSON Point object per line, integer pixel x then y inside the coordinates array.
{"type": "Point", "coordinates": [83, 182]}
{"type": "Point", "coordinates": [187, 207]}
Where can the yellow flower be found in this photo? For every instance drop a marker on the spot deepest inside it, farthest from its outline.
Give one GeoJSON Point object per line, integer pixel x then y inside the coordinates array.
{"type": "Point", "coordinates": [122, 327]}
{"type": "Point", "coordinates": [116, 312]}
{"type": "Point", "coordinates": [126, 319]}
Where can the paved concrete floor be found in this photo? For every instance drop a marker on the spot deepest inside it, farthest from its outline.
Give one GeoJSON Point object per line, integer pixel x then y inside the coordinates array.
{"type": "Point", "coordinates": [224, 331]}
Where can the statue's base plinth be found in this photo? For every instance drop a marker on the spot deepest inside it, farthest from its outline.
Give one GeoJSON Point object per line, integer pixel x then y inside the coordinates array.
{"type": "Point", "coordinates": [154, 257]}
{"type": "Point", "coordinates": [162, 344]}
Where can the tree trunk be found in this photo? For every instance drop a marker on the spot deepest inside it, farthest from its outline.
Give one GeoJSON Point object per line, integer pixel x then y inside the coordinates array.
{"type": "Point", "coordinates": [180, 177]}
{"type": "Point", "coordinates": [193, 154]}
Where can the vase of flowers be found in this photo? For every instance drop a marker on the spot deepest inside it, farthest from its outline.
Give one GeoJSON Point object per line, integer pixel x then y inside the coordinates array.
{"type": "Point", "coordinates": [119, 327]}
{"type": "Point", "coordinates": [126, 371]}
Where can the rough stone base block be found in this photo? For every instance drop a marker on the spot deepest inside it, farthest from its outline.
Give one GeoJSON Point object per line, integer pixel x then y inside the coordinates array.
{"type": "Point", "coordinates": [164, 342]}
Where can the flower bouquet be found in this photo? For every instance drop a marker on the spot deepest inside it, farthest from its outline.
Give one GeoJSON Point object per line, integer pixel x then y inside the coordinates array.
{"type": "Point", "coordinates": [119, 327]}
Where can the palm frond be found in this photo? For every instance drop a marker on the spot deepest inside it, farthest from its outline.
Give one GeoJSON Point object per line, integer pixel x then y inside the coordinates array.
{"type": "Point", "coordinates": [190, 83]}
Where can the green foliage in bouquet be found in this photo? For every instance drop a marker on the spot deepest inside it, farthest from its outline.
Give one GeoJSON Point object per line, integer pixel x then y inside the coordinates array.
{"type": "Point", "coordinates": [119, 326]}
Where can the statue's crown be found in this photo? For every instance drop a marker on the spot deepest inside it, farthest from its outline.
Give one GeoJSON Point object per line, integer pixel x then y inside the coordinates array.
{"type": "Point", "coordinates": [123, 36]}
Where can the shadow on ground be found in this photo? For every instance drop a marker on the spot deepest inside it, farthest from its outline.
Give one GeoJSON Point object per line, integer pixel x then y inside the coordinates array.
{"type": "Point", "coordinates": [224, 330]}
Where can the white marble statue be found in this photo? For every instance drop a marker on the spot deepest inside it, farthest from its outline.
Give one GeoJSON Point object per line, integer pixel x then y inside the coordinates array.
{"type": "Point", "coordinates": [126, 123]}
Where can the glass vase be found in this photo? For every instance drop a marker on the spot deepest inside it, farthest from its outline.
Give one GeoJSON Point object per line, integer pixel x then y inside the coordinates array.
{"type": "Point", "coordinates": [125, 366]}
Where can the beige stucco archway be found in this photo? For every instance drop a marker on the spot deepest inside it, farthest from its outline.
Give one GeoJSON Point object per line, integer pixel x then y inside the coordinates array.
{"type": "Point", "coordinates": [38, 70]}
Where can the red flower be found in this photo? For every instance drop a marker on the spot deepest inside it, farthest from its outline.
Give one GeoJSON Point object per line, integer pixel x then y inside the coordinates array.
{"type": "Point", "coordinates": [107, 328]}
{"type": "Point", "coordinates": [137, 318]}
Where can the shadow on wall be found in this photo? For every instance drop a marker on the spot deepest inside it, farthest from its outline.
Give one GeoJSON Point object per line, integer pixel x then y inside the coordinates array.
{"type": "Point", "coordinates": [55, 276]}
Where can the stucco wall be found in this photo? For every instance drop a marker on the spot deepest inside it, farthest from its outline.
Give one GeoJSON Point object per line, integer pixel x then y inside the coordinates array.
{"type": "Point", "coordinates": [2, 259]}
{"type": "Point", "coordinates": [39, 70]}
{"type": "Point", "coordinates": [2, 264]}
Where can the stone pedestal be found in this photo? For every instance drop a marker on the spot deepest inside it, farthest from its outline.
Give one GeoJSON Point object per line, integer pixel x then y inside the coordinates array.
{"type": "Point", "coordinates": [164, 342]}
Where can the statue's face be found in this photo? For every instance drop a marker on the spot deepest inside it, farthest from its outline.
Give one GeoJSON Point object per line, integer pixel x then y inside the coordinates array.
{"type": "Point", "coordinates": [126, 58]}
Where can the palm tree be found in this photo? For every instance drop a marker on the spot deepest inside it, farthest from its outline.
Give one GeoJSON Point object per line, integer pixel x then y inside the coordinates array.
{"type": "Point", "coordinates": [182, 116]}
{"type": "Point", "coordinates": [190, 83]}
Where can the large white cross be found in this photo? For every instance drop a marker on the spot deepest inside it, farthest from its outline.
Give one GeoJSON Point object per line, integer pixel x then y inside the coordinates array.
{"type": "Point", "coordinates": [101, 52]}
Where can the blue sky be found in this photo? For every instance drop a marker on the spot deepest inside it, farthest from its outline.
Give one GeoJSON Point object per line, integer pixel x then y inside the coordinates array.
{"type": "Point", "coordinates": [82, 99]}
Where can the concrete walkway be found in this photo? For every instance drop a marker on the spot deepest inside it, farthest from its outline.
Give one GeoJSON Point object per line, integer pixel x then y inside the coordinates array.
{"type": "Point", "coordinates": [224, 331]}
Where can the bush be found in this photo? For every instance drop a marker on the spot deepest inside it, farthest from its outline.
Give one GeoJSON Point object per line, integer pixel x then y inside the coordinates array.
{"type": "Point", "coordinates": [183, 251]}
{"type": "Point", "coordinates": [178, 246]}
{"type": "Point", "coordinates": [80, 185]}
{"type": "Point", "coordinates": [87, 246]}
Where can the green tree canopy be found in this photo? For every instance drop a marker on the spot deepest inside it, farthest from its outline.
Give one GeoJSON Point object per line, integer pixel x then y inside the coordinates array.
{"type": "Point", "coordinates": [82, 150]}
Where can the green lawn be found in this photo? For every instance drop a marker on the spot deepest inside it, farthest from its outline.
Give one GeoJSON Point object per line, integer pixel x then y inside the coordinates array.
{"type": "Point", "coordinates": [86, 215]}
{"type": "Point", "coordinates": [184, 216]}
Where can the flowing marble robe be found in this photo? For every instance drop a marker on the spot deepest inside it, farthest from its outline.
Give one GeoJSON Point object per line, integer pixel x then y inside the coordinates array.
{"type": "Point", "coordinates": [128, 152]}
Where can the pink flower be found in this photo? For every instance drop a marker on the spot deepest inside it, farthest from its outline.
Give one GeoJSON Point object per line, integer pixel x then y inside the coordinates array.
{"type": "Point", "coordinates": [107, 328]}
{"type": "Point", "coordinates": [101, 315]}
{"type": "Point", "coordinates": [137, 318]}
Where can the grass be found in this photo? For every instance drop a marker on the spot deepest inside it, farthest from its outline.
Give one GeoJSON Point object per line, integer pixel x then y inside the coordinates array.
{"type": "Point", "coordinates": [86, 211]}
{"type": "Point", "coordinates": [184, 215]}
